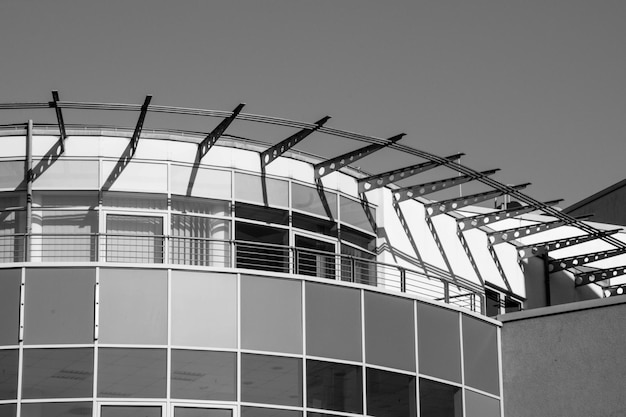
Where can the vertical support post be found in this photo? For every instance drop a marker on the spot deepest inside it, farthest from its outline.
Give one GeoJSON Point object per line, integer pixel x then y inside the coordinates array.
{"type": "Point", "coordinates": [402, 280]}
{"type": "Point", "coordinates": [546, 278]}
{"type": "Point", "coordinates": [29, 189]}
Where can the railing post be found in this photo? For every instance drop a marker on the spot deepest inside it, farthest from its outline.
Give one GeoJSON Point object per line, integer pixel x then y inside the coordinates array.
{"type": "Point", "coordinates": [353, 268]}
{"type": "Point", "coordinates": [446, 292]}
{"type": "Point", "coordinates": [402, 279]}
{"type": "Point", "coordinates": [294, 263]}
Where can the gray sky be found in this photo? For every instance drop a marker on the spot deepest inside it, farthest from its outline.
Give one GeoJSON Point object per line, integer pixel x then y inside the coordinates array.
{"type": "Point", "coordinates": [536, 88]}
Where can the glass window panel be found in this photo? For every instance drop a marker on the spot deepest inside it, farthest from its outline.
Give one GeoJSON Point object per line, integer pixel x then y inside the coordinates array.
{"type": "Point", "coordinates": [10, 283]}
{"type": "Point", "coordinates": [8, 374]}
{"type": "Point", "coordinates": [334, 386]}
{"type": "Point", "coordinates": [204, 375]}
{"type": "Point", "coordinates": [390, 394]}
{"type": "Point", "coordinates": [439, 342]}
{"type": "Point", "coordinates": [58, 373]}
{"type": "Point", "coordinates": [261, 213]}
{"type": "Point", "coordinates": [137, 176]}
{"type": "Point", "coordinates": [200, 182]}
{"type": "Point", "coordinates": [313, 414]}
{"type": "Point", "coordinates": [12, 229]}
{"type": "Point", "coordinates": [134, 238]}
{"type": "Point", "coordinates": [352, 212]}
{"type": "Point", "coordinates": [271, 314]}
{"type": "Point", "coordinates": [308, 199]}
{"type": "Point", "coordinates": [58, 199]}
{"type": "Point", "coordinates": [8, 410]}
{"type": "Point", "coordinates": [130, 411]}
{"type": "Point", "coordinates": [134, 200]}
{"type": "Point", "coordinates": [252, 188]}
{"type": "Point", "coordinates": [198, 295]}
{"type": "Point", "coordinates": [72, 174]}
{"type": "Point", "coordinates": [261, 247]}
{"type": "Point", "coordinates": [314, 224]}
{"type": "Point", "coordinates": [314, 257]}
{"type": "Point", "coordinates": [68, 235]}
{"type": "Point", "coordinates": [389, 331]}
{"type": "Point", "coordinates": [133, 306]}
{"type": "Point", "coordinates": [492, 303]}
{"type": "Point", "coordinates": [440, 400]}
{"type": "Point", "coordinates": [11, 174]}
{"type": "Point", "coordinates": [132, 373]}
{"type": "Point", "coordinates": [59, 305]}
{"type": "Point", "coordinates": [358, 238]}
{"type": "Point", "coordinates": [202, 412]}
{"type": "Point", "coordinates": [56, 409]}
{"type": "Point", "coordinates": [478, 405]}
{"type": "Point", "coordinates": [358, 266]}
{"type": "Point", "coordinates": [200, 241]}
{"type": "Point", "coordinates": [193, 205]}
{"type": "Point", "coordinates": [480, 355]}
{"type": "Point", "coordinates": [268, 412]}
{"type": "Point", "coordinates": [333, 321]}
{"type": "Point", "coordinates": [271, 379]}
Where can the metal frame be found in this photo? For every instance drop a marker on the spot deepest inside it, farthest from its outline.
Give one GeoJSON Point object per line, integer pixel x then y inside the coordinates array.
{"type": "Point", "coordinates": [208, 142]}
{"type": "Point", "coordinates": [472, 222]}
{"type": "Point", "coordinates": [537, 249]}
{"type": "Point", "coordinates": [441, 207]}
{"type": "Point", "coordinates": [596, 275]}
{"type": "Point", "coordinates": [556, 265]}
{"type": "Point", "coordinates": [509, 235]}
{"type": "Point", "coordinates": [407, 193]}
{"type": "Point", "coordinates": [59, 113]}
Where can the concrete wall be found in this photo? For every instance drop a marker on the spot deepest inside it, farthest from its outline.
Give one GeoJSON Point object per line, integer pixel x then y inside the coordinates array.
{"type": "Point", "coordinates": [566, 360]}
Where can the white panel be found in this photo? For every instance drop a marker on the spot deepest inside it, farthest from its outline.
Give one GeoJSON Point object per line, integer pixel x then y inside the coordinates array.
{"type": "Point", "coordinates": [414, 214]}
{"type": "Point", "coordinates": [68, 175]}
{"type": "Point", "coordinates": [477, 241]}
{"type": "Point", "coordinates": [347, 184]}
{"type": "Point", "coordinates": [82, 146]}
{"type": "Point", "coordinates": [182, 151]}
{"type": "Point", "coordinates": [247, 160]}
{"type": "Point", "coordinates": [219, 156]}
{"type": "Point", "coordinates": [113, 146]}
{"type": "Point", "coordinates": [43, 144]}
{"type": "Point", "coordinates": [138, 176]}
{"type": "Point", "coordinates": [507, 254]}
{"type": "Point", "coordinates": [281, 167]}
{"type": "Point", "coordinates": [209, 183]}
{"type": "Point", "coordinates": [151, 149]}
{"type": "Point", "coordinates": [13, 146]}
{"type": "Point", "coordinates": [302, 171]}
{"type": "Point", "coordinates": [446, 230]}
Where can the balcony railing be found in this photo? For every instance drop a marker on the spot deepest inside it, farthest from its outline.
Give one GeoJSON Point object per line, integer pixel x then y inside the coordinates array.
{"type": "Point", "coordinates": [227, 253]}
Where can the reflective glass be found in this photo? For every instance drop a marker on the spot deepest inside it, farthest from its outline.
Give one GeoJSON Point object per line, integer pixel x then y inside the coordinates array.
{"type": "Point", "coordinates": [56, 409]}
{"type": "Point", "coordinates": [136, 176]}
{"type": "Point", "coordinates": [390, 394]}
{"type": "Point", "coordinates": [133, 306]}
{"type": "Point", "coordinates": [308, 199]}
{"type": "Point", "coordinates": [440, 400]}
{"type": "Point", "coordinates": [271, 379]}
{"type": "Point", "coordinates": [72, 174]}
{"type": "Point", "coordinates": [358, 238]}
{"type": "Point", "coordinates": [135, 200]}
{"type": "Point", "coordinates": [271, 314]}
{"type": "Point", "coordinates": [268, 412]}
{"type": "Point", "coordinates": [11, 174]}
{"type": "Point", "coordinates": [389, 331]}
{"type": "Point", "coordinates": [266, 191]}
{"type": "Point", "coordinates": [10, 283]}
{"type": "Point", "coordinates": [478, 405]}
{"type": "Point", "coordinates": [198, 295]}
{"type": "Point", "coordinates": [315, 257]}
{"type": "Point", "coordinates": [132, 373]}
{"type": "Point", "coordinates": [8, 374]}
{"type": "Point", "coordinates": [314, 224]}
{"type": "Point", "coordinates": [8, 410]}
{"type": "Point", "coordinates": [439, 342]}
{"type": "Point", "coordinates": [334, 386]}
{"type": "Point", "coordinates": [333, 321]}
{"type": "Point", "coordinates": [202, 412]}
{"type": "Point", "coordinates": [134, 238]}
{"type": "Point", "coordinates": [353, 213]}
{"type": "Point", "coordinates": [130, 411]}
{"type": "Point", "coordinates": [358, 265]}
{"type": "Point", "coordinates": [200, 241]}
{"type": "Point", "coordinates": [204, 375]}
{"type": "Point", "coordinates": [261, 247]}
{"type": "Point", "coordinates": [262, 214]}
{"type": "Point", "coordinates": [200, 182]}
{"type": "Point", "coordinates": [59, 305]}
{"type": "Point", "coordinates": [58, 373]}
{"type": "Point", "coordinates": [193, 205]}
{"type": "Point", "coordinates": [480, 355]}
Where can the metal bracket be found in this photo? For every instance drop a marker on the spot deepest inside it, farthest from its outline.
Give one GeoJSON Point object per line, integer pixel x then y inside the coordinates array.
{"type": "Point", "coordinates": [507, 235]}
{"type": "Point", "coordinates": [540, 248]}
{"type": "Point", "coordinates": [590, 277]}
{"type": "Point", "coordinates": [332, 165]}
{"type": "Point", "coordinates": [212, 137]}
{"type": "Point", "coordinates": [380, 180]}
{"type": "Point", "coordinates": [445, 206]}
{"type": "Point", "coordinates": [618, 290]}
{"type": "Point", "coordinates": [556, 265]}
{"type": "Point", "coordinates": [409, 235]}
{"type": "Point", "coordinates": [412, 191]}
{"type": "Point", "coordinates": [57, 109]}
{"type": "Point", "coordinates": [277, 150]}
{"type": "Point", "coordinates": [468, 223]}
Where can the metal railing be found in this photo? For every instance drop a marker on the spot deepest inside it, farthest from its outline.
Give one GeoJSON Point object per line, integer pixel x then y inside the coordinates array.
{"type": "Point", "coordinates": [227, 253]}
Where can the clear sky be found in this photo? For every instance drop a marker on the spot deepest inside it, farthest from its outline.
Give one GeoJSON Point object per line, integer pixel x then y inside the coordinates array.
{"type": "Point", "coordinates": [535, 87]}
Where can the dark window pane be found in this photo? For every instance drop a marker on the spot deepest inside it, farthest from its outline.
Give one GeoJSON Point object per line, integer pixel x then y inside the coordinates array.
{"type": "Point", "coordinates": [480, 350]}
{"type": "Point", "coordinates": [390, 394]}
{"type": "Point", "coordinates": [58, 373]}
{"type": "Point", "coordinates": [133, 306]}
{"type": "Point", "coordinates": [358, 238]}
{"type": "Point", "coordinates": [334, 386]}
{"type": "Point", "coordinates": [478, 405]}
{"type": "Point", "coordinates": [352, 212]}
{"type": "Point", "coordinates": [315, 257]}
{"type": "Point", "coordinates": [439, 342]}
{"type": "Point", "coordinates": [440, 400]}
{"type": "Point", "coordinates": [8, 410]}
{"type": "Point", "coordinates": [271, 379]}
{"type": "Point", "coordinates": [59, 305]}
{"type": "Point", "coordinates": [203, 375]}
{"type": "Point", "coordinates": [8, 374]}
{"type": "Point", "coordinates": [389, 331]}
{"type": "Point", "coordinates": [492, 306]}
{"type": "Point", "coordinates": [357, 265]}
{"type": "Point", "coordinates": [271, 314]}
{"type": "Point", "coordinates": [314, 224]}
{"type": "Point", "coordinates": [134, 373]}
{"type": "Point", "coordinates": [261, 213]}
{"type": "Point", "coordinates": [511, 305]}
{"type": "Point", "coordinates": [10, 283]}
{"type": "Point", "coordinates": [130, 411]}
{"type": "Point", "coordinates": [202, 412]}
{"type": "Point", "coordinates": [57, 409]}
{"type": "Point", "coordinates": [314, 414]}
{"type": "Point", "coordinates": [333, 321]}
{"type": "Point", "coordinates": [268, 412]}
{"type": "Point", "coordinates": [308, 199]}
{"type": "Point", "coordinates": [262, 247]}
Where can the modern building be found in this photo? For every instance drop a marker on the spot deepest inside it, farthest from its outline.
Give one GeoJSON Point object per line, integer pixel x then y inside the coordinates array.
{"type": "Point", "coordinates": [209, 263]}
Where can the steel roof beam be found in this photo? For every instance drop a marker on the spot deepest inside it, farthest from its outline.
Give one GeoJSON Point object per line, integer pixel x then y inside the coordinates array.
{"type": "Point", "coordinates": [270, 154]}
{"type": "Point", "coordinates": [556, 265]}
{"type": "Point", "coordinates": [617, 290]}
{"type": "Point", "coordinates": [380, 180]}
{"type": "Point", "coordinates": [332, 165]}
{"type": "Point", "coordinates": [412, 191]}
{"type": "Point", "coordinates": [508, 235]}
{"type": "Point", "coordinates": [540, 248]}
{"type": "Point", "coordinates": [472, 222]}
{"type": "Point", "coordinates": [445, 206]}
{"type": "Point", "coordinates": [590, 277]}
{"type": "Point", "coordinates": [59, 113]}
{"type": "Point", "coordinates": [209, 141]}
